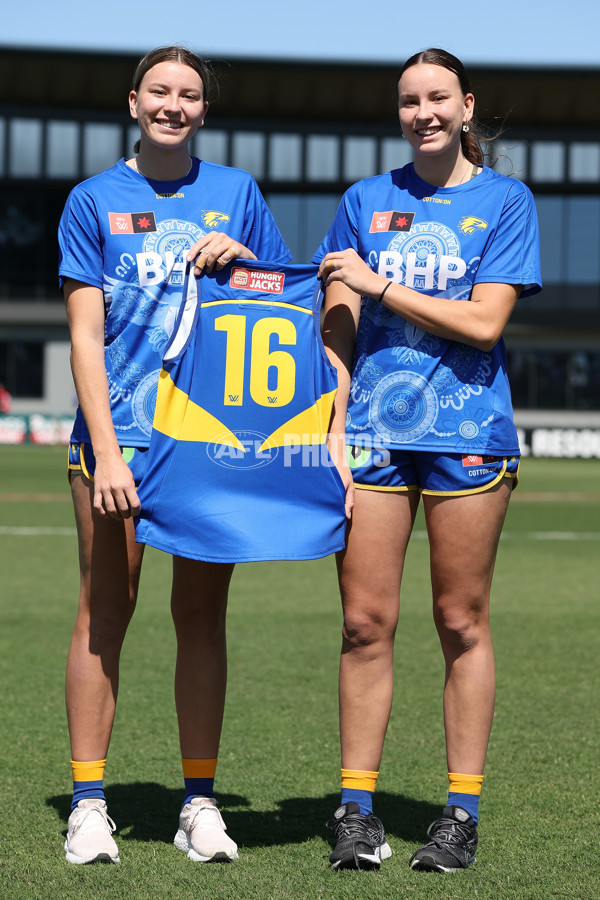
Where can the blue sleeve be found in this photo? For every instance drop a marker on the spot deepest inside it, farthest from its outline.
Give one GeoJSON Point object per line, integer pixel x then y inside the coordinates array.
{"type": "Point", "coordinates": [261, 234]}
{"type": "Point", "coordinates": [80, 246]}
{"type": "Point", "coordinates": [344, 228]}
{"type": "Point", "coordinates": [512, 255]}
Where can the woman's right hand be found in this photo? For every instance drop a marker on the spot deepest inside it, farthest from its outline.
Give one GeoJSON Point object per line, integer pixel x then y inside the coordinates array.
{"type": "Point", "coordinates": [336, 445]}
{"type": "Point", "coordinates": [114, 489]}
{"type": "Point", "coordinates": [216, 250]}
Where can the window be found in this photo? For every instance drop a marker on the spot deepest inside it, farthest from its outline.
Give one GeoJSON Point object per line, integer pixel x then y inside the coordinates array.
{"type": "Point", "coordinates": [555, 379]}
{"type": "Point", "coordinates": [62, 159]}
{"type": "Point", "coordinates": [584, 162]}
{"type": "Point", "coordinates": [249, 152]}
{"type": "Point", "coordinates": [101, 147]}
{"type": "Point", "coordinates": [2, 138]}
{"type": "Point", "coordinates": [395, 153]}
{"type": "Point", "coordinates": [303, 220]}
{"type": "Point", "coordinates": [285, 162]}
{"type": "Point", "coordinates": [211, 145]}
{"type": "Point", "coordinates": [322, 162]}
{"type": "Point", "coordinates": [511, 158]}
{"type": "Point", "coordinates": [25, 148]}
{"type": "Point", "coordinates": [547, 161]}
{"type": "Point", "coordinates": [360, 155]}
{"type": "Point", "coordinates": [22, 368]}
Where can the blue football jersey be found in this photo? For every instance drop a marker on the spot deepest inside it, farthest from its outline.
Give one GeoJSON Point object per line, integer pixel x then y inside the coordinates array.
{"type": "Point", "coordinates": [238, 468]}
{"type": "Point", "coordinates": [128, 236]}
{"type": "Point", "coordinates": [409, 388]}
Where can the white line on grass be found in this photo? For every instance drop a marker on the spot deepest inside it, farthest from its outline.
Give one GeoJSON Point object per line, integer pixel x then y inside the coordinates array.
{"type": "Point", "coordinates": [25, 531]}
{"type": "Point", "coordinates": [540, 535]}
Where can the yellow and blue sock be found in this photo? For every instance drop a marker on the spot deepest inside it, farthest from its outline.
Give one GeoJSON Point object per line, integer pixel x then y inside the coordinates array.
{"type": "Point", "coordinates": [359, 785]}
{"type": "Point", "coordinates": [199, 778]}
{"type": "Point", "coordinates": [88, 780]}
{"type": "Point", "coordinates": [464, 791]}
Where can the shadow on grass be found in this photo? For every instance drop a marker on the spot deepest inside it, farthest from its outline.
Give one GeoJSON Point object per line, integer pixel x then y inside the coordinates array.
{"type": "Point", "coordinates": [147, 811]}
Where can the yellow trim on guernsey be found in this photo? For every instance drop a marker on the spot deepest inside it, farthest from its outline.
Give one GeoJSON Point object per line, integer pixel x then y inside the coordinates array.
{"type": "Point", "coordinates": [180, 418]}
{"type": "Point", "coordinates": [308, 427]}
{"type": "Point", "coordinates": [242, 301]}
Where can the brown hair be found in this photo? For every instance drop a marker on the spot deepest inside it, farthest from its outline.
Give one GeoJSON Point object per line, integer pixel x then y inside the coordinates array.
{"type": "Point", "coordinates": [176, 54]}
{"type": "Point", "coordinates": [471, 140]}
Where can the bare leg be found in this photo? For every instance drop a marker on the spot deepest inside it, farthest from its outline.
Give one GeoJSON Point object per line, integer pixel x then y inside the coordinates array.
{"type": "Point", "coordinates": [463, 536]}
{"type": "Point", "coordinates": [110, 563]}
{"type": "Point", "coordinates": [199, 608]}
{"type": "Point", "coordinates": [370, 573]}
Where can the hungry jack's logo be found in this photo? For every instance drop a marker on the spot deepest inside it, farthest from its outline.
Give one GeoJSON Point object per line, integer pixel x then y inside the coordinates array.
{"type": "Point", "coordinates": [132, 223]}
{"type": "Point", "coordinates": [391, 221]}
{"type": "Point", "coordinates": [255, 280]}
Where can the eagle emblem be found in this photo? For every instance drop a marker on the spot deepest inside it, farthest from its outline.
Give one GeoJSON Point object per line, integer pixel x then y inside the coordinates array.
{"type": "Point", "coordinates": [469, 224]}
{"type": "Point", "coordinates": [211, 219]}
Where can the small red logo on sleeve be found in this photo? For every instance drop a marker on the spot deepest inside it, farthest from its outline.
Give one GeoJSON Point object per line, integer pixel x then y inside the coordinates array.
{"type": "Point", "coordinates": [391, 221]}
{"type": "Point", "coordinates": [131, 223]}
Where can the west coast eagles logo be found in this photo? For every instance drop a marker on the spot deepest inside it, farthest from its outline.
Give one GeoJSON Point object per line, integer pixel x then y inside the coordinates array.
{"type": "Point", "coordinates": [469, 224]}
{"type": "Point", "coordinates": [211, 218]}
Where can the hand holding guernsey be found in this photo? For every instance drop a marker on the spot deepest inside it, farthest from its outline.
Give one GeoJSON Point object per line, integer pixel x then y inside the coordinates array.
{"type": "Point", "coordinates": [127, 236]}
{"type": "Point", "coordinates": [238, 446]}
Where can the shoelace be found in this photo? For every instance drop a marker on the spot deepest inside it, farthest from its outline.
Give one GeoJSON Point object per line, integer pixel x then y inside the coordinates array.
{"type": "Point", "coordinates": [352, 825]}
{"type": "Point", "coordinates": [85, 813]}
{"type": "Point", "coordinates": [449, 831]}
{"type": "Point", "coordinates": [201, 809]}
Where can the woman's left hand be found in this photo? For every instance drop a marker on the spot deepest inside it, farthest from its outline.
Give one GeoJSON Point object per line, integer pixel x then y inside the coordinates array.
{"type": "Point", "coordinates": [216, 250]}
{"type": "Point", "coordinates": [347, 266]}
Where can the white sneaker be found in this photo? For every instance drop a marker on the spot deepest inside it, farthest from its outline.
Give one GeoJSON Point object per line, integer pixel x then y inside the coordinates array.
{"type": "Point", "coordinates": [89, 834]}
{"type": "Point", "coordinates": [202, 832]}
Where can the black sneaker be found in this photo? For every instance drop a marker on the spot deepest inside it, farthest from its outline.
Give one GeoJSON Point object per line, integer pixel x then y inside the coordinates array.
{"type": "Point", "coordinates": [452, 845]}
{"type": "Point", "coordinates": [361, 842]}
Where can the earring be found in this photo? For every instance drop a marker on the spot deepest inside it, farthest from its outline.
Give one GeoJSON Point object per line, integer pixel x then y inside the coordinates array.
{"type": "Point", "coordinates": [465, 127]}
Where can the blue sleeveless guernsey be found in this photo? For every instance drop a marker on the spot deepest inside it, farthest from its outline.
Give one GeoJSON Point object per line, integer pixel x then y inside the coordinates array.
{"type": "Point", "coordinates": [238, 468]}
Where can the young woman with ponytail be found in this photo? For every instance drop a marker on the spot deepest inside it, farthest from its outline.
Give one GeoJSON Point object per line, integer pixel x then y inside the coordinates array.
{"type": "Point", "coordinates": [423, 267]}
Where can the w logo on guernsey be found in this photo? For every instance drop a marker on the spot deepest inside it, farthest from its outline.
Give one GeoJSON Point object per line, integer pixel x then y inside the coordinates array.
{"type": "Point", "coordinates": [472, 459]}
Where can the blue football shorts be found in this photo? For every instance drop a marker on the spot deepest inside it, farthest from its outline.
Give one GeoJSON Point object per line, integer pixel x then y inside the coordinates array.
{"type": "Point", "coordinates": [447, 474]}
{"type": "Point", "coordinates": [81, 459]}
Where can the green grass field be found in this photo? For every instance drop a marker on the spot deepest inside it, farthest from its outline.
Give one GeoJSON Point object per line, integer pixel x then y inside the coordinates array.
{"type": "Point", "coordinates": [278, 772]}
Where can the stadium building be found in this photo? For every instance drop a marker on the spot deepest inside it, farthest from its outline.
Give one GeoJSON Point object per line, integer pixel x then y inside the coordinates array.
{"type": "Point", "coordinates": [305, 130]}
